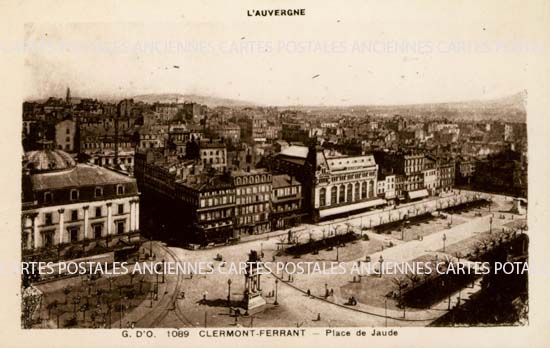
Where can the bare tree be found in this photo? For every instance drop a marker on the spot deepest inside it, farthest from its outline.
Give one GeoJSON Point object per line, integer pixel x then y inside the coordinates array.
{"type": "Point", "coordinates": [414, 278]}
{"type": "Point", "coordinates": [401, 284]}
{"type": "Point", "coordinates": [282, 239]}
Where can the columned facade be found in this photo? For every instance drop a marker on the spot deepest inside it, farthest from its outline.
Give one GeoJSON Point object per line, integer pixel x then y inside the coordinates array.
{"type": "Point", "coordinates": [109, 219]}
{"type": "Point", "coordinates": [61, 225]}
{"type": "Point", "coordinates": [86, 222]}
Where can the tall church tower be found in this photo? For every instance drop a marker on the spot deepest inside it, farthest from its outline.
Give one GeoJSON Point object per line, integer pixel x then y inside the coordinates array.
{"type": "Point", "coordinates": [68, 97]}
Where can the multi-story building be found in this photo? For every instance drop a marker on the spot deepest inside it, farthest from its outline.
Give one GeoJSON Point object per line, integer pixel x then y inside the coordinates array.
{"type": "Point", "coordinates": [213, 154]}
{"type": "Point", "coordinates": [253, 196]}
{"type": "Point", "coordinates": [229, 131]}
{"type": "Point", "coordinates": [178, 136]}
{"type": "Point", "coordinates": [75, 210]}
{"type": "Point", "coordinates": [151, 137]}
{"type": "Point", "coordinates": [430, 174]}
{"type": "Point", "coordinates": [65, 135]}
{"type": "Point", "coordinates": [409, 169]}
{"type": "Point", "coordinates": [386, 185]}
{"type": "Point", "coordinates": [253, 128]}
{"type": "Point", "coordinates": [286, 202]}
{"type": "Point", "coordinates": [206, 206]}
{"type": "Point", "coordinates": [464, 171]}
{"type": "Point", "coordinates": [183, 202]}
{"type": "Point", "coordinates": [333, 184]}
{"type": "Point", "coordinates": [445, 174]}
{"type": "Point", "coordinates": [294, 132]}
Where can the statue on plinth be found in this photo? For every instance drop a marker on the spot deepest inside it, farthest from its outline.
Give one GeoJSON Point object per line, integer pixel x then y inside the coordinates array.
{"type": "Point", "coordinates": [252, 288]}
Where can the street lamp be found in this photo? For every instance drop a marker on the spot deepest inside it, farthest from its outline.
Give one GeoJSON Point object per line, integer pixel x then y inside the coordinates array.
{"type": "Point", "coordinates": [276, 283]}
{"type": "Point", "coordinates": [229, 294]}
{"type": "Point", "coordinates": [162, 268]}
{"type": "Point", "coordinates": [490, 225]}
{"type": "Point", "coordinates": [444, 239]}
{"type": "Point", "coordinates": [381, 260]}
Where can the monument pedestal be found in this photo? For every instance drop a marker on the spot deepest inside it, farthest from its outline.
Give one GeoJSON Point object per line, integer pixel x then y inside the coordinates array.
{"type": "Point", "coordinates": [254, 302]}
{"type": "Point", "coordinates": [253, 299]}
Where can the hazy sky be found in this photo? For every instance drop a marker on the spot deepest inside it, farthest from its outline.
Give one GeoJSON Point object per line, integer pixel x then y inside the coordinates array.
{"type": "Point", "coordinates": [350, 57]}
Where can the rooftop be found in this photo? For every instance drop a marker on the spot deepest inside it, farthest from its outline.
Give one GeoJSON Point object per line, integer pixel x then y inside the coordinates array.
{"type": "Point", "coordinates": [284, 180]}
{"type": "Point", "coordinates": [295, 151]}
{"type": "Point", "coordinates": [80, 175]}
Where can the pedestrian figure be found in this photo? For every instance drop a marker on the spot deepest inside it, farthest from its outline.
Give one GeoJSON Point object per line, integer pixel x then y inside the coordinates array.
{"type": "Point", "coordinates": [331, 292]}
{"type": "Point", "coordinates": [308, 292]}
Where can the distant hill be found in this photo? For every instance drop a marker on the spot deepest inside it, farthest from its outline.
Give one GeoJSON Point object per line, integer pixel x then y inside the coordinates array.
{"type": "Point", "coordinates": [508, 109]}
{"type": "Point", "coordinates": [180, 98]}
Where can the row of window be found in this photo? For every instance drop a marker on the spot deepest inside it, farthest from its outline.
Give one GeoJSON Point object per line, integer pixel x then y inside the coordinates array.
{"type": "Point", "coordinates": [249, 219]}
{"type": "Point", "coordinates": [75, 193]}
{"type": "Point", "coordinates": [211, 202]}
{"type": "Point", "coordinates": [216, 214]}
{"type": "Point", "coordinates": [252, 209]}
{"type": "Point", "coordinates": [346, 194]}
{"type": "Point", "coordinates": [353, 176]}
{"type": "Point", "coordinates": [253, 199]}
{"type": "Point", "coordinates": [285, 207]}
{"type": "Point", "coordinates": [287, 191]}
{"type": "Point", "coordinates": [253, 189]}
{"type": "Point", "coordinates": [245, 180]}
{"type": "Point", "coordinates": [74, 234]}
{"type": "Point", "coordinates": [213, 160]}
{"type": "Point", "coordinates": [48, 217]}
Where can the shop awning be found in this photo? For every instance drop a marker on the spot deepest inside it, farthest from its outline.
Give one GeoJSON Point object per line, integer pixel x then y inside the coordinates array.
{"type": "Point", "coordinates": [351, 207]}
{"type": "Point", "coordinates": [418, 194]}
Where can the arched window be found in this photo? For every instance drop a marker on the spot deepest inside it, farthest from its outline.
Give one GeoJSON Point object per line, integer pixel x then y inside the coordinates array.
{"type": "Point", "coordinates": [322, 197]}
{"type": "Point", "coordinates": [342, 194]}
{"type": "Point", "coordinates": [350, 193]}
{"type": "Point", "coordinates": [363, 190]}
{"type": "Point", "coordinates": [357, 197]}
{"type": "Point", "coordinates": [333, 195]}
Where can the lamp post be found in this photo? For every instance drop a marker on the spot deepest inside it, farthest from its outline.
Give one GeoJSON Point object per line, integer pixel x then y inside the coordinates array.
{"type": "Point", "coordinates": [381, 260]}
{"type": "Point", "coordinates": [444, 239]}
{"type": "Point", "coordinates": [162, 269]}
{"type": "Point", "coordinates": [229, 294]}
{"type": "Point", "coordinates": [276, 283]}
{"type": "Point", "coordinates": [490, 225]}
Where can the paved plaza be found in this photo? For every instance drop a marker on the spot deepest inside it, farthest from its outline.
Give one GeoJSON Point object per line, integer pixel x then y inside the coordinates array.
{"type": "Point", "coordinates": [196, 300]}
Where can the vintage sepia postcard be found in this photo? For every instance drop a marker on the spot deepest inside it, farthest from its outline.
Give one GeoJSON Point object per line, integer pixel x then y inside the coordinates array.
{"type": "Point", "coordinates": [274, 173]}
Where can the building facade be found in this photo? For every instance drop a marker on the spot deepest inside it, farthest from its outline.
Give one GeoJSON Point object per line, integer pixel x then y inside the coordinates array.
{"type": "Point", "coordinates": [252, 196]}
{"type": "Point", "coordinates": [286, 202]}
{"type": "Point", "coordinates": [65, 135]}
{"type": "Point", "coordinates": [73, 210]}
{"type": "Point", "coordinates": [213, 154]}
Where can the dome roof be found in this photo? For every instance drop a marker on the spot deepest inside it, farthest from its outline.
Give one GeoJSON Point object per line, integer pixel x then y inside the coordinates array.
{"type": "Point", "coordinates": [48, 160]}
